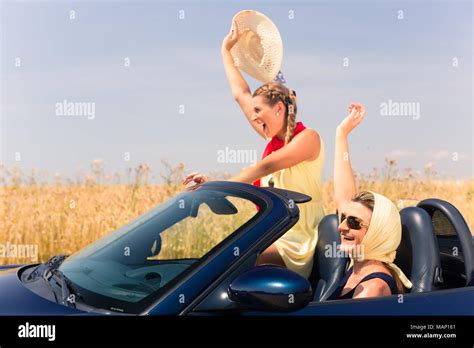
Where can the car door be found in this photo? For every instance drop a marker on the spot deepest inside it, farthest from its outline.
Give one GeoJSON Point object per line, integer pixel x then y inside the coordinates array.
{"type": "Point", "coordinates": [237, 252]}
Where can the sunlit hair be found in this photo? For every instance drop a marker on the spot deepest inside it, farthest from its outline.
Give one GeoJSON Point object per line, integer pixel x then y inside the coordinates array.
{"type": "Point", "coordinates": [365, 198]}
{"type": "Point", "coordinates": [273, 92]}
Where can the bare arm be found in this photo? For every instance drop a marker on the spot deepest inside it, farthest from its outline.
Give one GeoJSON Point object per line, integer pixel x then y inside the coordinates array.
{"type": "Point", "coordinates": [239, 87]}
{"type": "Point", "coordinates": [305, 147]}
{"type": "Point", "coordinates": [344, 183]}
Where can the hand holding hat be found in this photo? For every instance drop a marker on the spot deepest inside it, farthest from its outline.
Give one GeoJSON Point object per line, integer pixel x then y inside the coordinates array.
{"type": "Point", "coordinates": [255, 44]}
{"type": "Point", "coordinates": [232, 37]}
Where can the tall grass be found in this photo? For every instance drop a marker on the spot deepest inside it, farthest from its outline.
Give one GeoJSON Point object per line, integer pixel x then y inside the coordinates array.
{"type": "Point", "coordinates": [65, 215]}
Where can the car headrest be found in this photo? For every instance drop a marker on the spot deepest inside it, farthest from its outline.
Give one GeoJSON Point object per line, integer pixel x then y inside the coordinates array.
{"type": "Point", "coordinates": [446, 219]}
{"type": "Point", "coordinates": [328, 265]}
{"type": "Point", "coordinates": [418, 253]}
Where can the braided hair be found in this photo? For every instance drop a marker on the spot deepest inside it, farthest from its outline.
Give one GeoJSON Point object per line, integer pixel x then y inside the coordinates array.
{"type": "Point", "coordinates": [274, 92]}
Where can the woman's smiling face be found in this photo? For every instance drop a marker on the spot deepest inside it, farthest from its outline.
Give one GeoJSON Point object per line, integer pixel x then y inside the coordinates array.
{"type": "Point", "coordinates": [351, 237]}
{"type": "Point", "coordinates": [270, 118]}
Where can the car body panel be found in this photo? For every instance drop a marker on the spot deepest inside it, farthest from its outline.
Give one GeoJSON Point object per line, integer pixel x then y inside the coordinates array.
{"type": "Point", "coordinates": [16, 299]}
{"type": "Point", "coordinates": [451, 302]}
{"type": "Point", "coordinates": [238, 252]}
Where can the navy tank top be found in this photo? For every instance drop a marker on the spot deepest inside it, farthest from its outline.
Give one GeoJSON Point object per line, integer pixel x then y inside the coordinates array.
{"type": "Point", "coordinates": [336, 295]}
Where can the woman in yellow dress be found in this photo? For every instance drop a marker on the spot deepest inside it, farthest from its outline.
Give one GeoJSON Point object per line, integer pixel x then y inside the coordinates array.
{"type": "Point", "coordinates": [293, 160]}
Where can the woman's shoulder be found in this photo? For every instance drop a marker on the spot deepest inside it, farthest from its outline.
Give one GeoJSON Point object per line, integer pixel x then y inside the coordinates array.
{"type": "Point", "coordinates": [311, 139]}
{"type": "Point", "coordinates": [310, 132]}
{"type": "Point", "coordinates": [308, 135]}
{"type": "Point", "coordinates": [372, 287]}
{"type": "Point", "coordinates": [374, 283]}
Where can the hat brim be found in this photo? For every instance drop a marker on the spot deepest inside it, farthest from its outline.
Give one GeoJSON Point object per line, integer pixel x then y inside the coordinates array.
{"type": "Point", "coordinates": [259, 50]}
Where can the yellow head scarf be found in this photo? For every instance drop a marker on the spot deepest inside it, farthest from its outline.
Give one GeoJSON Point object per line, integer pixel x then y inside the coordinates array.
{"type": "Point", "coordinates": [383, 236]}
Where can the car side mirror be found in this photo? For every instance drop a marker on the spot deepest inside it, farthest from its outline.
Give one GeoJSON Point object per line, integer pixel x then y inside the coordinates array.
{"type": "Point", "coordinates": [270, 287]}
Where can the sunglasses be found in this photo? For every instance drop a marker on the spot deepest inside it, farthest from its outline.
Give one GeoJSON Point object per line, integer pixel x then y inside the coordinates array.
{"type": "Point", "coordinates": [353, 222]}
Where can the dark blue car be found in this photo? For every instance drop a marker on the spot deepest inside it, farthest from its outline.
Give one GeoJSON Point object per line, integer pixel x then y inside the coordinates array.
{"type": "Point", "coordinates": [166, 263]}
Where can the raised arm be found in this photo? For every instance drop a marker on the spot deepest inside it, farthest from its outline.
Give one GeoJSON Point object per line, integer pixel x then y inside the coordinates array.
{"type": "Point", "coordinates": [239, 87]}
{"type": "Point", "coordinates": [344, 183]}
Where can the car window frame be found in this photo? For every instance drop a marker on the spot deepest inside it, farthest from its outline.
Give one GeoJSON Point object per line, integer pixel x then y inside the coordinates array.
{"type": "Point", "coordinates": [143, 306]}
{"type": "Point", "coordinates": [258, 196]}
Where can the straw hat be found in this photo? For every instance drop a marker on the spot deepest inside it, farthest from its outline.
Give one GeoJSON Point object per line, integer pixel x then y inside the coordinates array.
{"type": "Point", "coordinates": [259, 51]}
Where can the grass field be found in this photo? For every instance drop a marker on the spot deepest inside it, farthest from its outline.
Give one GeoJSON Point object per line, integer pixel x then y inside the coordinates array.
{"type": "Point", "coordinates": [64, 216]}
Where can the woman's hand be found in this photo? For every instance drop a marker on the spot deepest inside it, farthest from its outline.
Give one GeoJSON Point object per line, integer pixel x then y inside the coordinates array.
{"type": "Point", "coordinates": [344, 182]}
{"type": "Point", "coordinates": [196, 177]}
{"type": "Point", "coordinates": [231, 38]}
{"type": "Point", "coordinates": [356, 115]}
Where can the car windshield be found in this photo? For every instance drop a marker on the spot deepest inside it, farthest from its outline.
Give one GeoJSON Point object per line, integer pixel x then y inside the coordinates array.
{"type": "Point", "coordinates": [129, 268]}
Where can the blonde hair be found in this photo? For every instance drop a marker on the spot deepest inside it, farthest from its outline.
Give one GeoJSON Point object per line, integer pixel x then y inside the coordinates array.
{"type": "Point", "coordinates": [365, 198]}
{"type": "Point", "coordinates": [273, 92]}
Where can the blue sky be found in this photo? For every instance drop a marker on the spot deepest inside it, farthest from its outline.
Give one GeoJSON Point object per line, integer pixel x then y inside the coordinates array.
{"type": "Point", "coordinates": [177, 62]}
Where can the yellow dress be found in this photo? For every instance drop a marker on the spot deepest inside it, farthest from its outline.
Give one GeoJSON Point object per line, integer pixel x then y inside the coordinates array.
{"type": "Point", "coordinates": [297, 245]}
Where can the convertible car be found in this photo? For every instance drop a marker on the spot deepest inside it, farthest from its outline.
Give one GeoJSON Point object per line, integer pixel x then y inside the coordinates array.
{"type": "Point", "coordinates": [195, 255]}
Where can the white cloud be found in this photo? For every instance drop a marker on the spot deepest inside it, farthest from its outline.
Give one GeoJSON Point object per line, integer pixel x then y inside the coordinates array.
{"type": "Point", "coordinates": [399, 153]}
{"type": "Point", "coordinates": [438, 154]}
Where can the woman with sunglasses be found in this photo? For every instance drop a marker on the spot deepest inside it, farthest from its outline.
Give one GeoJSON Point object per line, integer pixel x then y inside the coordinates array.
{"type": "Point", "coordinates": [370, 227]}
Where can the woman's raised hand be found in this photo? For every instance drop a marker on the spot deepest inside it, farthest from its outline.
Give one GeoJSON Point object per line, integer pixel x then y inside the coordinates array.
{"type": "Point", "coordinates": [356, 115]}
{"type": "Point", "coordinates": [232, 37]}
{"type": "Point", "coordinates": [196, 177]}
